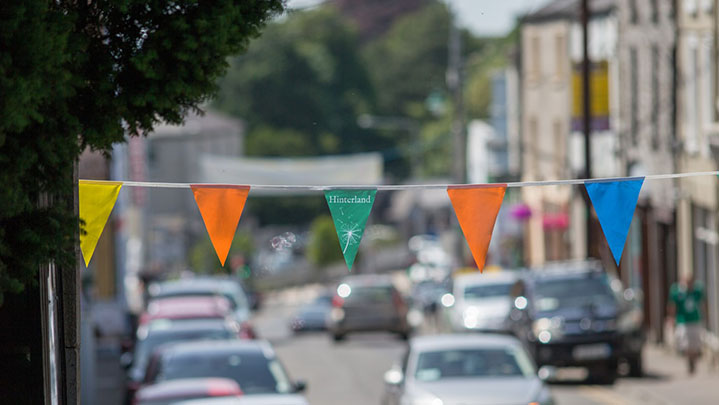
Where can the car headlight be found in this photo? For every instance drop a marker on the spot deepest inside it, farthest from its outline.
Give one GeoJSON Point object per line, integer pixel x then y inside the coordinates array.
{"type": "Point", "coordinates": [546, 329]}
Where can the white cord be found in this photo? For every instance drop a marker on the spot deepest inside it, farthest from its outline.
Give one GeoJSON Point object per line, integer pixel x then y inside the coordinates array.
{"type": "Point", "coordinates": [396, 187]}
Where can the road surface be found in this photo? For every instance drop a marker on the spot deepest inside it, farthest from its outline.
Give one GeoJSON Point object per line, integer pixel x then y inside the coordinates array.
{"type": "Point", "coordinates": [351, 372]}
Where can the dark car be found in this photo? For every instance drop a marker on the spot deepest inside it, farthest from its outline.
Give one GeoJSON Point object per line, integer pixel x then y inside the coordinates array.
{"type": "Point", "coordinates": [312, 316]}
{"type": "Point", "coordinates": [150, 337]}
{"type": "Point", "coordinates": [252, 364]}
{"type": "Point", "coordinates": [368, 303]}
{"type": "Point", "coordinates": [573, 314]}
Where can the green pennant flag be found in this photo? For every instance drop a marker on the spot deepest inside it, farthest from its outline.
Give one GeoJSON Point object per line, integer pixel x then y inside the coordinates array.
{"type": "Point", "coordinates": [350, 210]}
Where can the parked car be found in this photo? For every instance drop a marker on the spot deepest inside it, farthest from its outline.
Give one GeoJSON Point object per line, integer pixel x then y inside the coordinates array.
{"type": "Point", "coordinates": [312, 316]}
{"type": "Point", "coordinates": [482, 302]}
{"type": "Point", "coordinates": [212, 307]}
{"type": "Point", "coordinates": [574, 314]}
{"type": "Point", "coordinates": [206, 286]}
{"type": "Point", "coordinates": [152, 336]}
{"type": "Point", "coordinates": [465, 369]}
{"type": "Point", "coordinates": [368, 303]}
{"type": "Point", "coordinates": [171, 392]}
{"type": "Point", "coordinates": [250, 363]}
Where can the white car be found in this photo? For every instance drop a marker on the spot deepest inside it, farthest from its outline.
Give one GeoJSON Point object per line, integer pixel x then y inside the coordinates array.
{"type": "Point", "coordinates": [481, 302]}
{"type": "Point", "coordinates": [466, 369]}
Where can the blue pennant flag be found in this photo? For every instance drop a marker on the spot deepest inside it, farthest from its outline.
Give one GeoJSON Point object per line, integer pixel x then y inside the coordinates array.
{"type": "Point", "coordinates": [614, 203]}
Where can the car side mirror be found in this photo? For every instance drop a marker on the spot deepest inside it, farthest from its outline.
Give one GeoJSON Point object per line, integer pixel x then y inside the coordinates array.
{"type": "Point", "coordinates": [126, 360]}
{"type": "Point", "coordinates": [300, 386]}
{"type": "Point", "coordinates": [393, 376]}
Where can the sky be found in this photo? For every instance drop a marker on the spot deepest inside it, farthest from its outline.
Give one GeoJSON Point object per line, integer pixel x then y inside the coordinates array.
{"type": "Point", "coordinates": [482, 17]}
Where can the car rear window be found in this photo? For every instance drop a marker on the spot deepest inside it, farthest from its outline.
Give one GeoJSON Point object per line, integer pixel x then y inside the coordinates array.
{"type": "Point", "coordinates": [371, 293]}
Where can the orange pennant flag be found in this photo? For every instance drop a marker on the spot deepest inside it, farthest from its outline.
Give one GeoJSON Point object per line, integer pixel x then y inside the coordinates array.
{"type": "Point", "coordinates": [221, 208]}
{"type": "Point", "coordinates": [476, 207]}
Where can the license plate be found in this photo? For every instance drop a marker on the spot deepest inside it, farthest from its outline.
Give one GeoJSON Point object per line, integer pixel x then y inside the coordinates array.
{"type": "Point", "coordinates": [592, 352]}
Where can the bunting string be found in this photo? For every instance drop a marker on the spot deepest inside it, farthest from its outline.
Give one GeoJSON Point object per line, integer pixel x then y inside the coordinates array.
{"type": "Point", "coordinates": [476, 206]}
{"type": "Point", "coordinates": [398, 187]}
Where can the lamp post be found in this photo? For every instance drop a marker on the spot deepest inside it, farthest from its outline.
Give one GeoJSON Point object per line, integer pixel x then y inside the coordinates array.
{"type": "Point", "coordinates": [390, 123]}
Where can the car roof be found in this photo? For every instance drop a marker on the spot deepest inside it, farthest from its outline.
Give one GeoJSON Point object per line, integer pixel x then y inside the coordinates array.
{"type": "Point", "coordinates": [506, 276]}
{"type": "Point", "coordinates": [463, 340]}
{"type": "Point", "coordinates": [567, 269]}
{"type": "Point", "coordinates": [186, 386]}
{"type": "Point", "coordinates": [368, 280]}
{"type": "Point", "coordinates": [161, 326]}
{"type": "Point", "coordinates": [220, 347]}
{"type": "Point", "coordinates": [196, 284]}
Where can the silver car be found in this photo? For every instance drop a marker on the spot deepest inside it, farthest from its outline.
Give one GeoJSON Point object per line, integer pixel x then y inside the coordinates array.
{"type": "Point", "coordinates": [482, 301]}
{"type": "Point", "coordinates": [467, 369]}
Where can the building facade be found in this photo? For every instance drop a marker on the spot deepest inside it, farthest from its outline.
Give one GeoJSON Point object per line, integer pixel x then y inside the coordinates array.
{"type": "Point", "coordinates": [698, 239]}
{"type": "Point", "coordinates": [647, 145]}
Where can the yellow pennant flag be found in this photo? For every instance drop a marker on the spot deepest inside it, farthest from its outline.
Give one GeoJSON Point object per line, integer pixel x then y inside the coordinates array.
{"type": "Point", "coordinates": [96, 201]}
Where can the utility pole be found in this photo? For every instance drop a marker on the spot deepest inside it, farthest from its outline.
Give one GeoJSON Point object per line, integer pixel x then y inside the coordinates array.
{"type": "Point", "coordinates": [587, 116]}
{"type": "Point", "coordinates": [454, 84]}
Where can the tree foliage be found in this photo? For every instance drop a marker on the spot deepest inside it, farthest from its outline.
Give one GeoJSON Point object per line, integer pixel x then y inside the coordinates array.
{"type": "Point", "coordinates": [302, 81]}
{"type": "Point", "coordinates": [409, 62]}
{"type": "Point", "coordinates": [76, 74]}
{"type": "Point", "coordinates": [324, 245]}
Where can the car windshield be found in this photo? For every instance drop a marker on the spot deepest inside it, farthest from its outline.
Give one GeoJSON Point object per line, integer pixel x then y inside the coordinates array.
{"type": "Point", "coordinates": [558, 293]}
{"type": "Point", "coordinates": [255, 373]}
{"type": "Point", "coordinates": [487, 291]}
{"type": "Point", "coordinates": [494, 362]}
{"type": "Point", "coordinates": [146, 346]}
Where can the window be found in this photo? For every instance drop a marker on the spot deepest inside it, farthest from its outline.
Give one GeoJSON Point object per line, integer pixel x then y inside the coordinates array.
{"type": "Point", "coordinates": [633, 12]}
{"type": "Point", "coordinates": [655, 97]}
{"type": "Point", "coordinates": [558, 147]}
{"type": "Point", "coordinates": [634, 95]}
{"type": "Point", "coordinates": [536, 62]}
{"type": "Point", "coordinates": [690, 83]}
{"type": "Point", "coordinates": [654, 4]}
{"type": "Point", "coordinates": [561, 55]}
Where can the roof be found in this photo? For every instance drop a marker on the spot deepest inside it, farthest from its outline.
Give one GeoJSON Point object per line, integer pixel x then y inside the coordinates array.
{"type": "Point", "coordinates": [488, 277]}
{"type": "Point", "coordinates": [188, 388]}
{"type": "Point", "coordinates": [199, 284]}
{"type": "Point", "coordinates": [368, 280]}
{"type": "Point", "coordinates": [221, 347]}
{"type": "Point", "coordinates": [187, 307]}
{"type": "Point", "coordinates": [568, 267]}
{"type": "Point", "coordinates": [182, 325]}
{"type": "Point", "coordinates": [463, 340]}
{"type": "Point", "coordinates": [568, 9]}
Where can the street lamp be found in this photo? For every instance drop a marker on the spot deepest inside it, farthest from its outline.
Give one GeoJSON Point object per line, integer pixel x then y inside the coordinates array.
{"type": "Point", "coordinates": [411, 126]}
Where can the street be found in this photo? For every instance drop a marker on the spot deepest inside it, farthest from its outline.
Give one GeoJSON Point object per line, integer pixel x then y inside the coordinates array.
{"type": "Point", "coordinates": [352, 372]}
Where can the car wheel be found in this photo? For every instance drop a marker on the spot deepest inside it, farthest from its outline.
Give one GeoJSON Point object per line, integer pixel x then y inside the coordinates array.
{"type": "Point", "coordinates": [338, 337]}
{"type": "Point", "coordinates": [636, 368]}
{"type": "Point", "coordinates": [404, 335]}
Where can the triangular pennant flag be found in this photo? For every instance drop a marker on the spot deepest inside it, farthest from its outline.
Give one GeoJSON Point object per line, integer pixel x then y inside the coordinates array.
{"type": "Point", "coordinates": [96, 199]}
{"type": "Point", "coordinates": [615, 202]}
{"type": "Point", "coordinates": [350, 210]}
{"type": "Point", "coordinates": [476, 208]}
{"type": "Point", "coordinates": [221, 208]}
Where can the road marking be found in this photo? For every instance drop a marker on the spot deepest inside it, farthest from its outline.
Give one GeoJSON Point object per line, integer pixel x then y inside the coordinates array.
{"type": "Point", "coordinates": [602, 395]}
